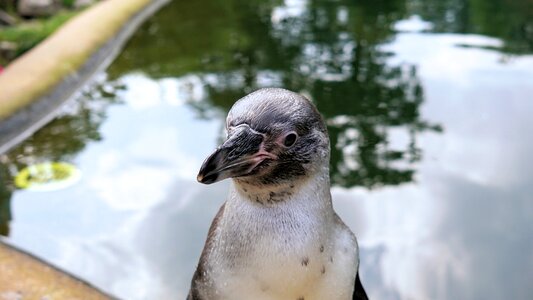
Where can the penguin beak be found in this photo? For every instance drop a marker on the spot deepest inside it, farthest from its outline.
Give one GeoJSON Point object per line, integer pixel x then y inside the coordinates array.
{"type": "Point", "coordinates": [236, 157]}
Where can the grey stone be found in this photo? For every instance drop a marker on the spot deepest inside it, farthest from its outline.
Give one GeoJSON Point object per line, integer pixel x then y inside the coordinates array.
{"type": "Point", "coordinates": [6, 19]}
{"type": "Point", "coordinates": [7, 50]}
{"type": "Point", "coordinates": [83, 3]}
{"type": "Point", "coordinates": [37, 8]}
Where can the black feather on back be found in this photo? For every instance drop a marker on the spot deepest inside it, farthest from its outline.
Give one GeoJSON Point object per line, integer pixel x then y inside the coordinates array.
{"type": "Point", "coordinates": [358, 291]}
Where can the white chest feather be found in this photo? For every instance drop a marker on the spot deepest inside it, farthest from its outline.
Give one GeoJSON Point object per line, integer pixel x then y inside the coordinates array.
{"type": "Point", "coordinates": [297, 249]}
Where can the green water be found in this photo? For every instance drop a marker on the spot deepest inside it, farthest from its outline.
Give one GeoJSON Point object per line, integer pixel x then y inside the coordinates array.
{"type": "Point", "coordinates": [428, 105]}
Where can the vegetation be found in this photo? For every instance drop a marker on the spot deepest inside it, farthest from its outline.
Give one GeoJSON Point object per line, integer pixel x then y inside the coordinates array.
{"type": "Point", "coordinates": [68, 3]}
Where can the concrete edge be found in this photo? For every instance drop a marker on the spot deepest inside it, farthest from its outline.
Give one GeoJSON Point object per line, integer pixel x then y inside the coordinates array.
{"type": "Point", "coordinates": [13, 250]}
{"type": "Point", "coordinates": [24, 122]}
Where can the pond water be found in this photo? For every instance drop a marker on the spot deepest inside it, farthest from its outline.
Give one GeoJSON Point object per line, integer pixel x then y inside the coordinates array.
{"type": "Point", "coordinates": [428, 105]}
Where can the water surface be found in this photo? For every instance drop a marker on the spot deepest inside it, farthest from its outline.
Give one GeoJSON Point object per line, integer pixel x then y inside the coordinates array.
{"type": "Point", "coordinates": [428, 105]}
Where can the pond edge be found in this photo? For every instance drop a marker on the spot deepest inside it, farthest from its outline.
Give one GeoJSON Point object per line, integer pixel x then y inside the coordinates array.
{"type": "Point", "coordinates": [80, 285]}
{"type": "Point", "coordinates": [23, 122]}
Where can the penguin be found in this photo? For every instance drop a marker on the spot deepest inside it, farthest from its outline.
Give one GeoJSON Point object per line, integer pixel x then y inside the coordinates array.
{"type": "Point", "coordinates": [277, 236]}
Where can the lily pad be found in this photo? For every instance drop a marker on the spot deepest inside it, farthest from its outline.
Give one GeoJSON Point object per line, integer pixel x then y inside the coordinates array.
{"type": "Point", "coordinates": [47, 176]}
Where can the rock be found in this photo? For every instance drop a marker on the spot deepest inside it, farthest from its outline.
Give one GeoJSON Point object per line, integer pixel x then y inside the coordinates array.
{"type": "Point", "coordinates": [6, 19]}
{"type": "Point", "coordinates": [7, 50]}
{"type": "Point", "coordinates": [37, 8]}
{"type": "Point", "coordinates": [83, 3]}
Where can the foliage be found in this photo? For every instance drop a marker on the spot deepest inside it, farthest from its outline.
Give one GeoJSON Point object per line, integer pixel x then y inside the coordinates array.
{"type": "Point", "coordinates": [68, 3]}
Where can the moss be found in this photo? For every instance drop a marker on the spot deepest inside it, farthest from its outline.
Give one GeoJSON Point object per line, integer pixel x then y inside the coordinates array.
{"type": "Point", "coordinates": [29, 34]}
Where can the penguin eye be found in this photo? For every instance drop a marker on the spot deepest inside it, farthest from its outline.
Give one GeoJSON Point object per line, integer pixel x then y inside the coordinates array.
{"type": "Point", "coordinates": [290, 139]}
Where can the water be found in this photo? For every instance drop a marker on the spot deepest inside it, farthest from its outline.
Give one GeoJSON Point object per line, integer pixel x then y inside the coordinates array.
{"type": "Point", "coordinates": [429, 110]}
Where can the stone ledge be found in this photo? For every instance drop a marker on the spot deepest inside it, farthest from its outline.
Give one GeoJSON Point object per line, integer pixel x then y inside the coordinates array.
{"type": "Point", "coordinates": [24, 276]}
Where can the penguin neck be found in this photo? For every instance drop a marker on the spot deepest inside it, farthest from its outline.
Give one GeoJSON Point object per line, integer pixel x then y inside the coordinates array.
{"type": "Point", "coordinates": [305, 216]}
{"type": "Point", "coordinates": [310, 188]}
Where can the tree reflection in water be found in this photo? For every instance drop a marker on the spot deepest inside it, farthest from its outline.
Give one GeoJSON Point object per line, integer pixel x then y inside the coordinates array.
{"type": "Point", "coordinates": [329, 51]}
